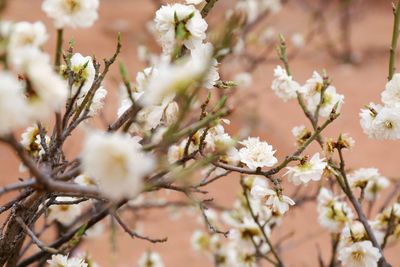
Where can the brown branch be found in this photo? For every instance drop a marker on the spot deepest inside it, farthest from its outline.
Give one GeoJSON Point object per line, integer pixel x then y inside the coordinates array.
{"type": "Point", "coordinates": [211, 227]}
{"type": "Point", "coordinates": [17, 186]}
{"type": "Point", "coordinates": [260, 226]}
{"type": "Point", "coordinates": [287, 160]}
{"type": "Point", "coordinates": [134, 234]}
{"type": "Point", "coordinates": [128, 114]}
{"type": "Point", "coordinates": [207, 8]}
{"type": "Point", "coordinates": [36, 240]}
{"type": "Point", "coordinates": [46, 181]}
{"type": "Point", "coordinates": [361, 216]}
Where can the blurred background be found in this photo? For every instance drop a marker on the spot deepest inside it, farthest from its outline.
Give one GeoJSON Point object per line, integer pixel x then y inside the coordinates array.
{"type": "Point", "coordinates": [355, 55]}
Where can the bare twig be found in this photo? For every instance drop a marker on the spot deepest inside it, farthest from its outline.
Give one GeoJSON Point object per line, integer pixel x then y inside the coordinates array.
{"type": "Point", "coordinates": [207, 8]}
{"type": "Point", "coordinates": [17, 186]}
{"type": "Point", "coordinates": [395, 36]}
{"type": "Point", "coordinates": [36, 240]}
{"type": "Point", "coordinates": [136, 235]}
{"type": "Point", "coordinates": [260, 226]}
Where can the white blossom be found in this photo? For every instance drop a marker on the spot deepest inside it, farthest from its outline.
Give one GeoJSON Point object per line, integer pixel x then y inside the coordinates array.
{"type": "Point", "coordinates": [84, 70]}
{"type": "Point", "coordinates": [13, 109]}
{"type": "Point", "coordinates": [97, 101]}
{"type": "Point", "coordinates": [242, 257]}
{"type": "Point", "coordinates": [32, 141]}
{"type": "Point", "coordinates": [360, 254]}
{"type": "Point", "coordinates": [268, 35]}
{"type": "Point", "coordinates": [5, 28]}
{"type": "Point", "coordinates": [257, 154]}
{"type": "Point", "coordinates": [245, 231]}
{"type": "Point", "coordinates": [64, 213]}
{"type": "Point", "coordinates": [384, 218]}
{"type": "Point", "coordinates": [298, 40]}
{"type": "Point", "coordinates": [194, 2]}
{"type": "Point", "coordinates": [307, 170]}
{"type": "Point", "coordinates": [243, 79]}
{"type": "Point", "coordinates": [171, 113]}
{"type": "Point", "coordinates": [386, 124]}
{"type": "Point", "coordinates": [330, 99]}
{"type": "Point", "coordinates": [355, 232]}
{"type": "Point", "coordinates": [85, 180]}
{"type": "Point", "coordinates": [95, 231]}
{"type": "Point", "coordinates": [117, 163]}
{"type": "Point", "coordinates": [218, 140]}
{"type": "Point", "coordinates": [278, 202]}
{"type": "Point", "coordinates": [374, 187]}
{"type": "Point", "coordinates": [143, 77]}
{"type": "Point", "coordinates": [172, 78]}
{"type": "Point", "coordinates": [26, 34]}
{"type": "Point", "coordinates": [391, 95]}
{"type": "Point", "coordinates": [370, 180]}
{"type": "Point", "coordinates": [314, 84]}
{"type": "Point", "coordinates": [150, 117]}
{"type": "Point", "coordinates": [367, 118]}
{"type": "Point", "coordinates": [200, 241]}
{"type": "Point", "coordinates": [24, 47]}
{"type": "Point", "coordinates": [203, 52]}
{"type": "Point", "coordinates": [167, 21]}
{"type": "Point", "coordinates": [50, 90]}
{"type": "Point", "coordinates": [301, 133]}
{"type": "Point", "coordinates": [346, 141]}
{"type": "Point", "coordinates": [71, 13]}
{"type": "Point", "coordinates": [150, 258]}
{"type": "Point", "coordinates": [60, 260]}
{"type": "Point", "coordinates": [360, 177]}
{"type": "Point", "coordinates": [175, 152]}
{"type": "Point", "coordinates": [253, 8]}
{"type": "Point", "coordinates": [333, 214]}
{"type": "Point", "coordinates": [283, 85]}
{"type": "Point", "coordinates": [298, 130]}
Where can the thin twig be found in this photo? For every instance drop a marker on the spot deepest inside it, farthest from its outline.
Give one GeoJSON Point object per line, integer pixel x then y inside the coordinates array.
{"type": "Point", "coordinates": [136, 235]}
{"type": "Point", "coordinates": [36, 240]}
{"type": "Point", "coordinates": [260, 226]}
{"type": "Point", "coordinates": [395, 36]}
{"type": "Point", "coordinates": [17, 186]}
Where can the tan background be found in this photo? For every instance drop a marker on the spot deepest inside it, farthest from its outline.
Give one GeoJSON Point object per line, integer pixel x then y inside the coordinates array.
{"type": "Point", "coordinates": [360, 84]}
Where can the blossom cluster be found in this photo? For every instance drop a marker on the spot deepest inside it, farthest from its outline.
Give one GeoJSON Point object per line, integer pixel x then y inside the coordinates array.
{"type": "Point", "coordinates": [382, 122]}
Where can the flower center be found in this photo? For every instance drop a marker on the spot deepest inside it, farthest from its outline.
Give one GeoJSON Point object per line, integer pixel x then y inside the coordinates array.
{"type": "Point", "coordinates": [72, 5]}
{"type": "Point", "coordinates": [81, 73]}
{"type": "Point", "coordinates": [389, 125]}
{"type": "Point", "coordinates": [64, 208]}
{"type": "Point", "coordinates": [327, 99]}
{"type": "Point", "coordinates": [119, 163]}
{"type": "Point", "coordinates": [306, 166]}
{"type": "Point", "coordinates": [357, 255]}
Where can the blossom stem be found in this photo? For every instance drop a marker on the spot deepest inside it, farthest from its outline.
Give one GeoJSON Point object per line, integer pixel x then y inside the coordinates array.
{"type": "Point", "coordinates": [207, 8]}
{"type": "Point", "coordinates": [335, 243]}
{"type": "Point", "coordinates": [345, 23]}
{"type": "Point", "coordinates": [260, 226]}
{"type": "Point", "coordinates": [57, 60]}
{"type": "Point", "coordinates": [395, 35]}
{"type": "Point", "coordinates": [361, 216]}
{"type": "Point", "coordinates": [312, 118]}
{"type": "Point", "coordinates": [287, 160]}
